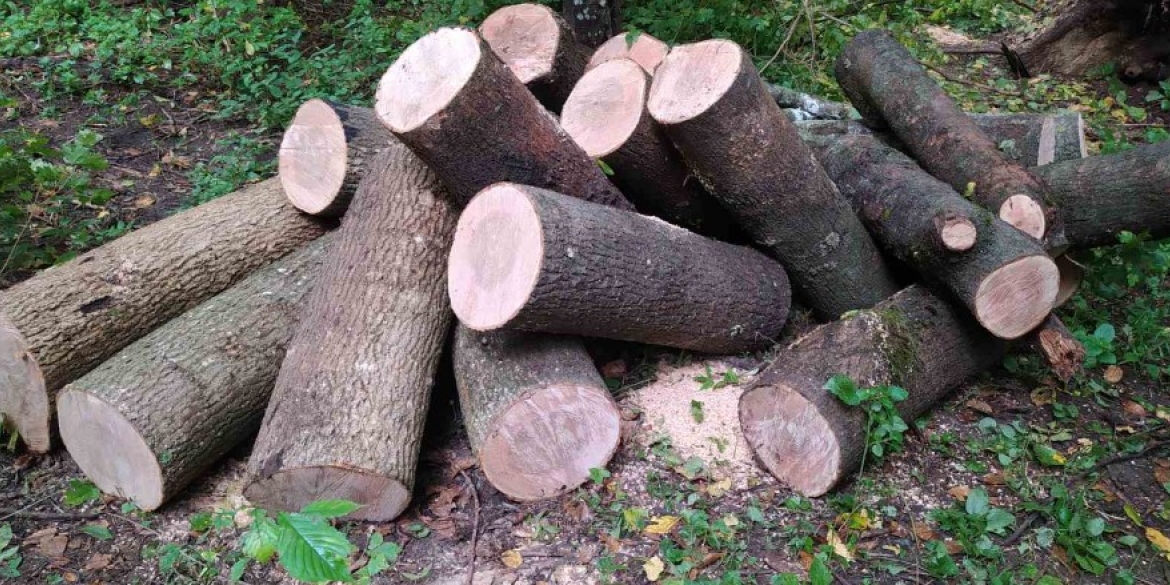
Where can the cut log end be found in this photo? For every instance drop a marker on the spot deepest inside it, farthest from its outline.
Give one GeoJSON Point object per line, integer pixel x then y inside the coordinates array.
{"type": "Point", "coordinates": [24, 401]}
{"type": "Point", "coordinates": [382, 498]}
{"type": "Point", "coordinates": [496, 257]}
{"type": "Point", "coordinates": [428, 75]}
{"type": "Point", "coordinates": [312, 159]}
{"type": "Point", "coordinates": [693, 78]}
{"type": "Point", "coordinates": [1022, 212]}
{"type": "Point", "coordinates": [109, 450]}
{"type": "Point", "coordinates": [791, 439]}
{"type": "Point", "coordinates": [525, 37]}
{"type": "Point", "coordinates": [645, 50]}
{"type": "Point", "coordinates": [605, 107]}
{"type": "Point", "coordinates": [545, 445]}
{"type": "Point", "coordinates": [1017, 297]}
{"type": "Point", "coordinates": [958, 234]}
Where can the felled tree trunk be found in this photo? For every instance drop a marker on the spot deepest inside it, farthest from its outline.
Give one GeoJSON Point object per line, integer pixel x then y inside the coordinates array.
{"type": "Point", "coordinates": [639, 47]}
{"type": "Point", "coordinates": [325, 152]}
{"type": "Point", "coordinates": [347, 413]}
{"type": "Point", "coordinates": [66, 320]}
{"type": "Point", "coordinates": [713, 104]}
{"type": "Point", "coordinates": [816, 108]}
{"type": "Point", "coordinates": [805, 436]}
{"type": "Point", "coordinates": [538, 414]}
{"type": "Point", "coordinates": [152, 418]}
{"type": "Point", "coordinates": [1083, 35]}
{"type": "Point", "coordinates": [593, 21]}
{"type": "Point", "coordinates": [460, 109]}
{"type": "Point", "coordinates": [539, 49]}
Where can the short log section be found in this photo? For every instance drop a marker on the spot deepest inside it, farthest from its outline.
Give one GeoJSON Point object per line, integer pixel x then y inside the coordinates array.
{"type": "Point", "coordinates": [539, 48]}
{"type": "Point", "coordinates": [641, 48]}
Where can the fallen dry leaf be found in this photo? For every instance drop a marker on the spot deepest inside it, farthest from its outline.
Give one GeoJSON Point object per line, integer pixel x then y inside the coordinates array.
{"type": "Point", "coordinates": [959, 492]}
{"type": "Point", "coordinates": [922, 530]}
{"type": "Point", "coordinates": [661, 525]}
{"type": "Point", "coordinates": [1133, 409]}
{"type": "Point", "coordinates": [179, 162]}
{"type": "Point", "coordinates": [994, 478]}
{"type": "Point", "coordinates": [980, 407]}
{"type": "Point", "coordinates": [653, 567]}
{"type": "Point", "coordinates": [70, 577]}
{"type": "Point", "coordinates": [1159, 541]}
{"type": "Point", "coordinates": [1113, 374]}
{"type": "Point", "coordinates": [718, 488]}
{"type": "Point", "coordinates": [54, 547]}
{"type": "Point", "coordinates": [839, 547]}
{"type": "Point", "coordinates": [155, 170]}
{"type": "Point", "coordinates": [1162, 474]}
{"type": "Point", "coordinates": [1043, 396]}
{"type": "Point", "coordinates": [612, 544]}
{"type": "Point", "coordinates": [98, 562]}
{"type": "Point", "coordinates": [143, 201]}
{"type": "Point", "coordinates": [512, 559]}
{"type": "Point", "coordinates": [953, 547]}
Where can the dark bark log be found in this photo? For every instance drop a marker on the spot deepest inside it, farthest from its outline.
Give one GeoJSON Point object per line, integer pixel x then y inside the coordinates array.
{"type": "Point", "coordinates": [460, 109]}
{"type": "Point", "coordinates": [639, 47]}
{"type": "Point", "coordinates": [811, 441]}
{"type": "Point", "coordinates": [1083, 35]}
{"type": "Point", "coordinates": [593, 21]}
{"type": "Point", "coordinates": [714, 106]}
{"type": "Point", "coordinates": [1058, 347]}
{"type": "Point", "coordinates": [347, 413]}
{"type": "Point", "coordinates": [538, 414]}
{"type": "Point", "coordinates": [534, 260]}
{"type": "Point", "coordinates": [155, 416]}
{"type": "Point", "coordinates": [539, 48]}
{"type": "Point", "coordinates": [66, 320]}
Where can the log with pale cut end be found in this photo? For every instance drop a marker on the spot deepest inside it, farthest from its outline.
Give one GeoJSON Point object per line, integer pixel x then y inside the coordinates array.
{"type": "Point", "coordinates": [593, 21]}
{"type": "Point", "coordinates": [810, 440]}
{"type": "Point", "coordinates": [535, 260]}
{"type": "Point", "coordinates": [606, 115]}
{"type": "Point", "coordinates": [348, 408]}
{"type": "Point", "coordinates": [1101, 196]}
{"type": "Point", "coordinates": [1061, 350]}
{"type": "Point", "coordinates": [325, 151]}
{"type": "Point", "coordinates": [155, 416]}
{"type": "Point", "coordinates": [641, 48]}
{"type": "Point", "coordinates": [714, 106]}
{"type": "Point", "coordinates": [538, 414]}
{"type": "Point", "coordinates": [1002, 276]}
{"type": "Point", "coordinates": [460, 109]}
{"type": "Point", "coordinates": [890, 88]}
{"type": "Point", "coordinates": [66, 320]}
{"type": "Point", "coordinates": [539, 48]}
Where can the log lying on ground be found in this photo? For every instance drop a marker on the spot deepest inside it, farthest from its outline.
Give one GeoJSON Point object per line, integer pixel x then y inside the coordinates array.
{"type": "Point", "coordinates": [1004, 277]}
{"type": "Point", "coordinates": [452, 101]}
{"type": "Point", "coordinates": [152, 418]}
{"type": "Point", "coordinates": [593, 21]}
{"type": "Point", "coordinates": [606, 115]}
{"type": "Point", "coordinates": [1059, 348]}
{"type": "Point", "coordinates": [713, 104]}
{"type": "Point", "coordinates": [65, 321]}
{"type": "Point", "coordinates": [815, 107]}
{"type": "Point", "coordinates": [325, 151]}
{"type": "Point", "coordinates": [539, 48]}
{"type": "Point", "coordinates": [641, 48]}
{"type": "Point", "coordinates": [347, 412]}
{"type": "Point", "coordinates": [538, 414]}
{"type": "Point", "coordinates": [810, 440]}
{"type": "Point", "coordinates": [534, 260]}
{"type": "Point", "coordinates": [889, 87]}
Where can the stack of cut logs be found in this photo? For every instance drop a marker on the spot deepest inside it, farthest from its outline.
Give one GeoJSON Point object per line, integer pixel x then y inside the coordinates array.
{"type": "Point", "coordinates": [539, 194]}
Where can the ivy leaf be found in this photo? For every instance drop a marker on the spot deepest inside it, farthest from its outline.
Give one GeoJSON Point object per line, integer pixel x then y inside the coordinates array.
{"type": "Point", "coordinates": [330, 508]}
{"type": "Point", "coordinates": [311, 550]}
{"type": "Point", "coordinates": [845, 389]}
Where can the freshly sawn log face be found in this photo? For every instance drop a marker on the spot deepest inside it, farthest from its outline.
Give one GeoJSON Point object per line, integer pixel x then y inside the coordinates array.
{"type": "Point", "coordinates": [325, 151]}
{"type": "Point", "coordinates": [1003, 276]}
{"type": "Point", "coordinates": [347, 413]}
{"type": "Point", "coordinates": [641, 48]}
{"type": "Point", "coordinates": [460, 109]}
{"type": "Point", "coordinates": [606, 115]}
{"type": "Point", "coordinates": [530, 259]}
{"type": "Point", "coordinates": [805, 436]}
{"type": "Point", "coordinates": [537, 413]}
{"type": "Point", "coordinates": [889, 87]}
{"type": "Point", "coordinates": [714, 106]}
{"type": "Point", "coordinates": [151, 419]}
{"type": "Point", "coordinates": [68, 319]}
{"type": "Point", "coordinates": [539, 48]}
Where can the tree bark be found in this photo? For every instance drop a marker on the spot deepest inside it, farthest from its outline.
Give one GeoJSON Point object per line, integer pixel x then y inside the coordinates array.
{"type": "Point", "coordinates": [816, 108]}
{"type": "Point", "coordinates": [66, 320]}
{"type": "Point", "coordinates": [325, 152]}
{"type": "Point", "coordinates": [460, 109]}
{"type": "Point", "coordinates": [347, 413]}
{"type": "Point", "coordinates": [714, 106]}
{"type": "Point", "coordinates": [1083, 35]}
{"type": "Point", "coordinates": [534, 260]}
{"type": "Point", "coordinates": [152, 418]}
{"type": "Point", "coordinates": [889, 87]}
{"type": "Point", "coordinates": [593, 21]}
{"type": "Point", "coordinates": [538, 414]}
{"type": "Point", "coordinates": [805, 436]}
{"type": "Point", "coordinates": [639, 47]}
{"type": "Point", "coordinates": [538, 46]}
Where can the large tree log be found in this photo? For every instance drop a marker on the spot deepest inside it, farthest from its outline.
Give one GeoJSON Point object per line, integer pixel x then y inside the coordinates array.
{"type": "Point", "coordinates": [530, 259]}
{"type": "Point", "coordinates": [606, 115]}
{"type": "Point", "coordinates": [539, 49]}
{"type": "Point", "coordinates": [593, 21]}
{"type": "Point", "coordinates": [538, 414]}
{"type": "Point", "coordinates": [66, 320]}
{"type": "Point", "coordinates": [639, 47]}
{"type": "Point", "coordinates": [456, 105]}
{"type": "Point", "coordinates": [152, 418]}
{"type": "Point", "coordinates": [810, 440]}
{"type": "Point", "coordinates": [1083, 35]}
{"type": "Point", "coordinates": [1000, 274]}
{"type": "Point", "coordinates": [889, 87]}
{"type": "Point", "coordinates": [347, 413]}
{"type": "Point", "coordinates": [713, 104]}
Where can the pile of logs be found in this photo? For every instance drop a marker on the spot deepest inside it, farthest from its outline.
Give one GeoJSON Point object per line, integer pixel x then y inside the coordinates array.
{"type": "Point", "coordinates": [517, 188]}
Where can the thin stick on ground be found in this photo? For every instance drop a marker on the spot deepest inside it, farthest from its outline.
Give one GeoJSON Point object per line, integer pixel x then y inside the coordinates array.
{"type": "Point", "coordinates": [474, 526]}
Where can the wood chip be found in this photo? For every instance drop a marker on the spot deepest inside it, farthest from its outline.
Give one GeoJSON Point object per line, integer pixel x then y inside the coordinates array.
{"type": "Point", "coordinates": [1113, 374]}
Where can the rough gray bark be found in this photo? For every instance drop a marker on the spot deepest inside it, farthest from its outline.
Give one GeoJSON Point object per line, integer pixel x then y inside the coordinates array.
{"type": "Point", "coordinates": [1086, 34]}
{"type": "Point", "coordinates": [593, 21]}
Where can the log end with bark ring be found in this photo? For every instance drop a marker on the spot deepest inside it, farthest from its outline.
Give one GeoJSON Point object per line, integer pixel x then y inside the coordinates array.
{"type": "Point", "coordinates": [382, 498]}
{"type": "Point", "coordinates": [605, 107]}
{"type": "Point", "coordinates": [791, 439]}
{"type": "Point", "coordinates": [1016, 298]}
{"type": "Point", "coordinates": [24, 400]}
{"type": "Point", "coordinates": [958, 234]}
{"type": "Point", "coordinates": [313, 157]}
{"type": "Point", "coordinates": [1022, 212]}
{"type": "Point", "coordinates": [426, 77]}
{"type": "Point", "coordinates": [545, 445]}
{"type": "Point", "coordinates": [645, 50]}
{"type": "Point", "coordinates": [693, 78]}
{"type": "Point", "coordinates": [525, 37]}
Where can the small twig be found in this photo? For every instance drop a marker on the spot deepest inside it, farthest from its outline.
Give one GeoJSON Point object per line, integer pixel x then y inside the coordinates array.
{"type": "Point", "coordinates": [474, 526]}
{"type": "Point", "coordinates": [1024, 526]}
{"type": "Point", "coordinates": [62, 516]}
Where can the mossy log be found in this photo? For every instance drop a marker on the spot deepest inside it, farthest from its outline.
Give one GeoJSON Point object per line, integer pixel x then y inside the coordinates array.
{"type": "Point", "coordinates": [536, 44]}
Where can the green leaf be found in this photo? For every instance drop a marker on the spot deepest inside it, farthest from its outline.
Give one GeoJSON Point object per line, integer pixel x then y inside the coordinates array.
{"type": "Point", "coordinates": [605, 168]}
{"type": "Point", "coordinates": [98, 531]}
{"type": "Point", "coordinates": [1105, 332]}
{"type": "Point", "coordinates": [598, 474]}
{"type": "Point", "coordinates": [1095, 526]}
{"type": "Point", "coordinates": [845, 389]}
{"type": "Point", "coordinates": [81, 492]}
{"type": "Point", "coordinates": [330, 508]}
{"type": "Point", "coordinates": [998, 520]}
{"type": "Point", "coordinates": [312, 550]}
{"type": "Point", "coordinates": [238, 569]}
{"type": "Point", "coordinates": [977, 502]}
{"type": "Point", "coordinates": [5, 535]}
{"type": "Point", "coordinates": [1047, 455]}
{"type": "Point", "coordinates": [259, 543]}
{"type": "Point", "coordinates": [818, 573]}
{"type": "Point", "coordinates": [697, 411]}
{"type": "Point", "coordinates": [898, 394]}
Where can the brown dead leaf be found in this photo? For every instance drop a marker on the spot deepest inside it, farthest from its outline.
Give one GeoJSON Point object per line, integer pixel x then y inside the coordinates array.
{"type": "Point", "coordinates": [143, 201]}
{"type": "Point", "coordinates": [959, 492]}
{"type": "Point", "coordinates": [1133, 409]}
{"type": "Point", "coordinates": [612, 544]}
{"type": "Point", "coordinates": [98, 562]}
{"type": "Point", "coordinates": [953, 547]}
{"type": "Point", "coordinates": [615, 369]}
{"type": "Point", "coordinates": [70, 577]}
{"type": "Point", "coordinates": [980, 407]}
{"type": "Point", "coordinates": [1043, 396]}
{"type": "Point", "coordinates": [839, 547]}
{"type": "Point", "coordinates": [179, 162]}
{"type": "Point", "coordinates": [577, 510]}
{"type": "Point", "coordinates": [1058, 552]}
{"type": "Point", "coordinates": [922, 530]}
{"type": "Point", "coordinates": [806, 560]}
{"type": "Point", "coordinates": [994, 478]}
{"type": "Point", "coordinates": [53, 547]}
{"type": "Point", "coordinates": [1162, 474]}
{"type": "Point", "coordinates": [1113, 374]}
{"type": "Point", "coordinates": [155, 170]}
{"type": "Point", "coordinates": [512, 559]}
{"type": "Point", "coordinates": [717, 488]}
